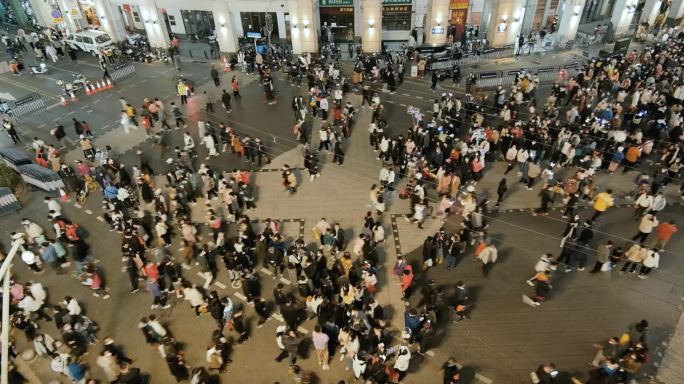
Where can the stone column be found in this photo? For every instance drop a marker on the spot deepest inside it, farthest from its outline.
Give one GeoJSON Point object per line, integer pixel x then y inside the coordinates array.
{"type": "Point", "coordinates": [650, 11]}
{"type": "Point", "coordinates": [545, 18]}
{"type": "Point", "coordinates": [569, 19]}
{"type": "Point", "coordinates": [675, 12]}
{"type": "Point", "coordinates": [371, 25]}
{"type": "Point", "coordinates": [225, 28]}
{"type": "Point", "coordinates": [437, 22]}
{"type": "Point", "coordinates": [19, 13]}
{"type": "Point", "coordinates": [73, 24]}
{"type": "Point", "coordinates": [508, 14]}
{"type": "Point", "coordinates": [622, 14]}
{"type": "Point", "coordinates": [528, 18]}
{"type": "Point", "coordinates": [153, 20]}
{"type": "Point", "coordinates": [302, 26]}
{"type": "Point", "coordinates": [110, 19]}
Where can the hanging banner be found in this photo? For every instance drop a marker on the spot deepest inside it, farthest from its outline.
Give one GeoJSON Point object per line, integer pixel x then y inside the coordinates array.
{"type": "Point", "coordinates": [459, 4]}
{"type": "Point", "coordinates": [458, 17]}
{"type": "Point", "coordinates": [72, 9]}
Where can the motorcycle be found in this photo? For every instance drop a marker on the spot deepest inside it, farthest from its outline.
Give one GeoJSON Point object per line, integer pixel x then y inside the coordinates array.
{"type": "Point", "coordinates": [39, 69]}
{"type": "Point", "coordinates": [79, 83]}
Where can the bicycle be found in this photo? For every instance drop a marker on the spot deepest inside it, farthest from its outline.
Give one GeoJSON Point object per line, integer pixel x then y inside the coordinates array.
{"type": "Point", "coordinates": [90, 187]}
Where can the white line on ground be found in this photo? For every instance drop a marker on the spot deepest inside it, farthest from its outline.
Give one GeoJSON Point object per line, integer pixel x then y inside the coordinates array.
{"type": "Point", "coordinates": [200, 274]}
{"type": "Point", "coordinates": [96, 101]}
{"type": "Point", "coordinates": [84, 107]}
{"type": "Point", "coordinates": [88, 211]}
{"type": "Point", "coordinates": [41, 126]}
{"type": "Point", "coordinates": [100, 218]}
{"type": "Point", "coordinates": [78, 205]}
{"type": "Point", "coordinates": [154, 76]}
{"type": "Point", "coordinates": [284, 280]}
{"type": "Point", "coordinates": [406, 94]}
{"type": "Point", "coordinates": [430, 353]}
{"type": "Point", "coordinates": [54, 105]}
{"type": "Point", "coordinates": [302, 330]}
{"type": "Point", "coordinates": [240, 296]}
{"type": "Point", "coordinates": [71, 113]}
{"type": "Point", "coordinates": [110, 95]}
{"type": "Point", "coordinates": [220, 285]}
{"type": "Point", "coordinates": [266, 271]}
{"type": "Point", "coordinates": [403, 105]}
{"type": "Point", "coordinates": [390, 101]}
{"type": "Point", "coordinates": [143, 80]}
{"type": "Point", "coordinates": [105, 127]}
{"type": "Point", "coordinates": [278, 317]}
{"type": "Point", "coordinates": [419, 97]}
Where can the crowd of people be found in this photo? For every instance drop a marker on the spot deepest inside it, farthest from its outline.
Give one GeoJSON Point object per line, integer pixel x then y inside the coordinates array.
{"type": "Point", "coordinates": [620, 112]}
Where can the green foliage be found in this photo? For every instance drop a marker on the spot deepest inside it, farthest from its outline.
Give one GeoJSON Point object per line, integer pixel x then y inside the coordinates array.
{"type": "Point", "coordinates": [8, 177]}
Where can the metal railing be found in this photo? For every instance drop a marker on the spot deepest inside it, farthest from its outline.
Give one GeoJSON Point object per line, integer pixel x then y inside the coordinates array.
{"type": "Point", "coordinates": [473, 59]}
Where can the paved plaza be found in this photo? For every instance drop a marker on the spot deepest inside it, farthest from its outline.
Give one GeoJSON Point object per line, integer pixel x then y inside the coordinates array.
{"type": "Point", "coordinates": [501, 341]}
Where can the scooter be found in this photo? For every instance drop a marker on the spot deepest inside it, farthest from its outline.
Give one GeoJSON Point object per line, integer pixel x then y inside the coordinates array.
{"type": "Point", "coordinates": [79, 83]}
{"type": "Point", "coordinates": [40, 69]}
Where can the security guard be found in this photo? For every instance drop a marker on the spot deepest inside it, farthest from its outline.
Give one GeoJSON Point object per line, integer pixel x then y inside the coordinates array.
{"type": "Point", "coordinates": [183, 92]}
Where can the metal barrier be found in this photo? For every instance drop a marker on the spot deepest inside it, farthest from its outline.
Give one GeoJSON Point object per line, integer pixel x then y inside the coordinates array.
{"type": "Point", "coordinates": [546, 75]}
{"type": "Point", "coordinates": [472, 59]}
{"type": "Point", "coordinates": [27, 106]}
{"type": "Point", "coordinates": [122, 71]}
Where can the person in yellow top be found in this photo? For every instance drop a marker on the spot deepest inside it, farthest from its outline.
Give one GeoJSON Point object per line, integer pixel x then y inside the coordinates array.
{"type": "Point", "coordinates": [183, 92]}
{"type": "Point", "coordinates": [130, 111]}
{"type": "Point", "coordinates": [601, 202]}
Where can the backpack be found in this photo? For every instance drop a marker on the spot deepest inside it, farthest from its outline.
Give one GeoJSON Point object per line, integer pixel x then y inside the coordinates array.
{"type": "Point", "coordinates": [72, 232]}
{"type": "Point", "coordinates": [571, 185]}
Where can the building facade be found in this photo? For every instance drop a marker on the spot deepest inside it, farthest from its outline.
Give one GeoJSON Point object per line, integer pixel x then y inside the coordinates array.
{"type": "Point", "coordinates": [305, 24]}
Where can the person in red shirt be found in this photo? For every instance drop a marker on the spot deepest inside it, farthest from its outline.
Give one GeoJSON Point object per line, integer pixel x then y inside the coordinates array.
{"type": "Point", "coordinates": [664, 232]}
{"type": "Point", "coordinates": [407, 282]}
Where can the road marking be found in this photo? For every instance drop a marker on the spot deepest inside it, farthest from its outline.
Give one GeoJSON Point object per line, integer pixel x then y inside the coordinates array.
{"type": "Point", "coordinates": [78, 205]}
{"type": "Point", "coordinates": [53, 105]}
{"type": "Point", "coordinates": [71, 113]}
{"type": "Point", "coordinates": [278, 317]}
{"type": "Point", "coordinates": [406, 94]}
{"type": "Point", "coordinates": [403, 105]}
{"type": "Point", "coordinates": [430, 353]}
{"type": "Point", "coordinates": [240, 296]}
{"type": "Point", "coordinates": [266, 271]}
{"type": "Point", "coordinates": [105, 127]}
{"type": "Point", "coordinates": [88, 211]}
{"type": "Point", "coordinates": [144, 80]}
{"type": "Point", "coordinates": [109, 96]}
{"type": "Point", "coordinates": [41, 126]}
{"type": "Point", "coordinates": [390, 101]}
{"type": "Point", "coordinates": [419, 97]}
{"type": "Point", "coordinates": [100, 218]}
{"type": "Point", "coordinates": [284, 280]}
{"type": "Point", "coordinates": [302, 330]}
{"type": "Point", "coordinates": [96, 101]}
{"type": "Point", "coordinates": [154, 76]}
{"type": "Point", "coordinates": [220, 285]}
{"type": "Point", "coordinates": [84, 107]}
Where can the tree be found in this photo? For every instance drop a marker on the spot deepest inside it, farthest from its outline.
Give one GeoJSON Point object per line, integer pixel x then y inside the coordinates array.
{"type": "Point", "coordinates": [8, 177]}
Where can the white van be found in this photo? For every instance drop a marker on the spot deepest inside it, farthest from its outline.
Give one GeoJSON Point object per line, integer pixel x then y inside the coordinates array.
{"type": "Point", "coordinates": [89, 41]}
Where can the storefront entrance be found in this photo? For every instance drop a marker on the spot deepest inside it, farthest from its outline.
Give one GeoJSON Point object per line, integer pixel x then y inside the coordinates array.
{"type": "Point", "coordinates": [337, 20]}
{"type": "Point", "coordinates": [198, 24]}
{"type": "Point", "coordinates": [88, 8]}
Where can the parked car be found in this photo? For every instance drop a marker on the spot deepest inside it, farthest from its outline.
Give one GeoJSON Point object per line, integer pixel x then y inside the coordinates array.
{"type": "Point", "coordinates": [90, 41]}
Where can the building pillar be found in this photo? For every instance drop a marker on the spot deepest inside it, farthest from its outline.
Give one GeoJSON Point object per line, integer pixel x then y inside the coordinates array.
{"type": "Point", "coordinates": [528, 18]}
{"type": "Point", "coordinates": [437, 22]}
{"type": "Point", "coordinates": [153, 20]}
{"type": "Point", "coordinates": [41, 17]}
{"type": "Point", "coordinates": [303, 30]}
{"type": "Point", "coordinates": [371, 26]}
{"type": "Point", "coordinates": [676, 11]}
{"type": "Point", "coordinates": [225, 29]}
{"type": "Point", "coordinates": [569, 19]}
{"type": "Point", "coordinates": [19, 13]}
{"type": "Point", "coordinates": [110, 19]}
{"type": "Point", "coordinates": [623, 13]}
{"type": "Point", "coordinates": [74, 23]}
{"type": "Point", "coordinates": [545, 16]}
{"type": "Point", "coordinates": [650, 11]}
{"type": "Point", "coordinates": [485, 25]}
{"type": "Point", "coordinates": [506, 14]}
